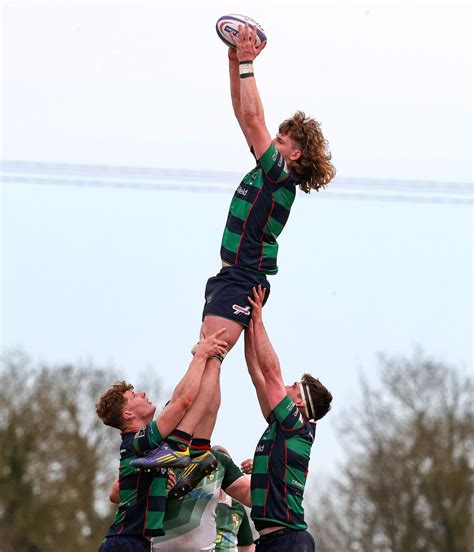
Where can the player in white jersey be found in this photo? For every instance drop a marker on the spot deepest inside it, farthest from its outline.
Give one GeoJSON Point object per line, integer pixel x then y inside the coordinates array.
{"type": "Point", "coordinates": [190, 522]}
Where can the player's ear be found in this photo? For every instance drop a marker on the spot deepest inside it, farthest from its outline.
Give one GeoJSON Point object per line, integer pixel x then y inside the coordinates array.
{"type": "Point", "coordinates": [295, 154]}
{"type": "Point", "coordinates": [127, 415]}
{"type": "Point", "coordinates": [299, 402]}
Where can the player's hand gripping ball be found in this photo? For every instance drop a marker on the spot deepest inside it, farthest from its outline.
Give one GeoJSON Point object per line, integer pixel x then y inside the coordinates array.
{"type": "Point", "coordinates": [228, 25]}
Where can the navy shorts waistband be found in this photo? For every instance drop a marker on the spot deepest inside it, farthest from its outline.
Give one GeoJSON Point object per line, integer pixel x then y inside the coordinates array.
{"type": "Point", "coordinates": [274, 535]}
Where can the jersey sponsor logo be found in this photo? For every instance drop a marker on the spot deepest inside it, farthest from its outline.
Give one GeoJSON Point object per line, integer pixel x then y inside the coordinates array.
{"type": "Point", "coordinates": [274, 155]}
{"type": "Point", "coordinates": [280, 161]}
{"type": "Point", "coordinates": [259, 448]}
{"type": "Point", "coordinates": [242, 191]}
{"type": "Point", "coordinates": [297, 484]}
{"type": "Point", "coordinates": [241, 310]}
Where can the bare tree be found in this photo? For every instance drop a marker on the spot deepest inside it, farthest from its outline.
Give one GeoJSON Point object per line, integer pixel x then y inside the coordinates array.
{"type": "Point", "coordinates": [406, 482]}
{"type": "Point", "coordinates": [57, 459]}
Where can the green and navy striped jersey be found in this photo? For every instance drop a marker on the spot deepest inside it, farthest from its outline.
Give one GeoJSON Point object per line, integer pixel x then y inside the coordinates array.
{"type": "Point", "coordinates": [233, 526]}
{"type": "Point", "coordinates": [280, 467]}
{"type": "Point", "coordinates": [258, 213]}
{"type": "Point", "coordinates": [142, 494]}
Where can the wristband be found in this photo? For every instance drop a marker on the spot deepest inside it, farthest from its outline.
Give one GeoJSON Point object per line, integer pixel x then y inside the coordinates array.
{"type": "Point", "coordinates": [245, 69]}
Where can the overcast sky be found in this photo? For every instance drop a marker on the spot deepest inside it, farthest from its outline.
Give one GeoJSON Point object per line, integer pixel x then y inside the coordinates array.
{"type": "Point", "coordinates": [118, 276]}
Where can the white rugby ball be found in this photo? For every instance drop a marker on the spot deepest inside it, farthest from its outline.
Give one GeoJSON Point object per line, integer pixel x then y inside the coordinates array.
{"type": "Point", "coordinates": [229, 24]}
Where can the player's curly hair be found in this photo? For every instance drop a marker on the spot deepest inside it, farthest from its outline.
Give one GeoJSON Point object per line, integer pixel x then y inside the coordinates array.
{"type": "Point", "coordinates": [320, 396]}
{"type": "Point", "coordinates": [111, 403]}
{"type": "Point", "coordinates": [314, 166]}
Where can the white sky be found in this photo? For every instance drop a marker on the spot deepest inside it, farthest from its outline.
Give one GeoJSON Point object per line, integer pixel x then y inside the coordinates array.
{"type": "Point", "coordinates": [118, 276]}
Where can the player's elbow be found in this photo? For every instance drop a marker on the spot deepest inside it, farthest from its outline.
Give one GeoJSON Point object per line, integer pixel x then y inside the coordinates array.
{"type": "Point", "coordinates": [252, 119]}
{"type": "Point", "coordinates": [114, 495]}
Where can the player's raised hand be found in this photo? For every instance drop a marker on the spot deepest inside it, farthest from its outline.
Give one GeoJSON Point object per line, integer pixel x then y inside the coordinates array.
{"type": "Point", "coordinates": [212, 345]}
{"type": "Point", "coordinates": [257, 302]}
{"type": "Point", "coordinates": [245, 43]}
{"type": "Point", "coordinates": [246, 466]}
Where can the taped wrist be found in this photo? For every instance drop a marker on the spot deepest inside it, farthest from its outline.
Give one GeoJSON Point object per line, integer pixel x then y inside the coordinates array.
{"type": "Point", "coordinates": [245, 69]}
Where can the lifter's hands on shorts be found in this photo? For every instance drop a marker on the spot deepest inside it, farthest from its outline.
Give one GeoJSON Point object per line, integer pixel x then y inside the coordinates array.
{"type": "Point", "coordinates": [212, 345]}
{"type": "Point", "coordinates": [257, 302]}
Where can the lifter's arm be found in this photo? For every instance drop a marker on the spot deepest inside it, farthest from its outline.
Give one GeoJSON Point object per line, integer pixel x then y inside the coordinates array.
{"type": "Point", "coordinates": [187, 389]}
{"type": "Point", "coordinates": [266, 356]}
{"type": "Point", "coordinates": [255, 371]}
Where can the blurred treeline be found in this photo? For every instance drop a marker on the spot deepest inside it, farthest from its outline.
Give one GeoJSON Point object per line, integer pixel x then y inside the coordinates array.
{"type": "Point", "coordinates": [405, 483]}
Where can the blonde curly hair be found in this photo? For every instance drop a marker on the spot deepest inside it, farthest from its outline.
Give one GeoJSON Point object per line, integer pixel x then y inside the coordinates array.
{"type": "Point", "coordinates": [314, 166]}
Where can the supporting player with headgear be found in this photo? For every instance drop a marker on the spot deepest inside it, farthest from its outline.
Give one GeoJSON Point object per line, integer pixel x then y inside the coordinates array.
{"type": "Point", "coordinates": [282, 455]}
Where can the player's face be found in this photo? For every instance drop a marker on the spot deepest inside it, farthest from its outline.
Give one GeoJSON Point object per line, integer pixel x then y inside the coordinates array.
{"type": "Point", "coordinates": [139, 405]}
{"type": "Point", "coordinates": [294, 392]}
{"type": "Point", "coordinates": [286, 147]}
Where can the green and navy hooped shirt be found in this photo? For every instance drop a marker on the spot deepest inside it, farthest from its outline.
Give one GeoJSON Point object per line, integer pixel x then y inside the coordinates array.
{"type": "Point", "coordinates": [280, 467]}
{"type": "Point", "coordinates": [142, 494]}
{"type": "Point", "coordinates": [258, 213]}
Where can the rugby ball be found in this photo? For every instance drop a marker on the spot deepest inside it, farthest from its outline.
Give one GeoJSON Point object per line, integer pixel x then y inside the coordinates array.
{"type": "Point", "coordinates": [229, 24]}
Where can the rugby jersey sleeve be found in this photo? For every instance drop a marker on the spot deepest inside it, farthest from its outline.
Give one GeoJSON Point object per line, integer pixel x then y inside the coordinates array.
{"type": "Point", "coordinates": [244, 536]}
{"type": "Point", "coordinates": [147, 438]}
{"type": "Point", "coordinates": [287, 415]}
{"type": "Point", "coordinates": [231, 473]}
{"type": "Point", "coordinates": [274, 165]}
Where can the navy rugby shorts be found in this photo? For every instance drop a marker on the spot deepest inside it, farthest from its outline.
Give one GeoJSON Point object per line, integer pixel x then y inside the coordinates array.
{"type": "Point", "coordinates": [226, 294]}
{"type": "Point", "coordinates": [285, 539]}
{"type": "Point", "coordinates": [129, 543]}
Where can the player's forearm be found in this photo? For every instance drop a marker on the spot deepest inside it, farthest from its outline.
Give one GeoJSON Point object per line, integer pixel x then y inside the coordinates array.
{"type": "Point", "coordinates": [187, 389]}
{"type": "Point", "coordinates": [235, 86]}
{"type": "Point", "coordinates": [266, 356]}
{"type": "Point", "coordinates": [250, 102]}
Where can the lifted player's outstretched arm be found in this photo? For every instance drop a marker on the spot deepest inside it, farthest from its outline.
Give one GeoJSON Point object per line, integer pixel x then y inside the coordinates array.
{"type": "Point", "coordinates": [266, 356]}
{"type": "Point", "coordinates": [245, 96]}
{"type": "Point", "coordinates": [235, 91]}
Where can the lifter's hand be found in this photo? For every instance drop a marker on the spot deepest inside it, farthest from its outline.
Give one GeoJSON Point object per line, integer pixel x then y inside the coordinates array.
{"type": "Point", "coordinates": [212, 345]}
{"type": "Point", "coordinates": [171, 480]}
{"type": "Point", "coordinates": [246, 49]}
{"type": "Point", "coordinates": [246, 466]}
{"type": "Point", "coordinates": [257, 302]}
